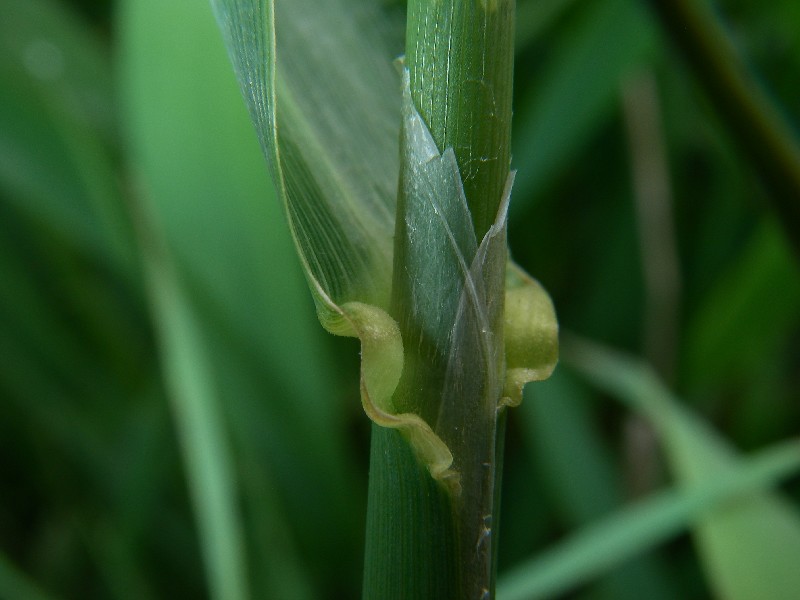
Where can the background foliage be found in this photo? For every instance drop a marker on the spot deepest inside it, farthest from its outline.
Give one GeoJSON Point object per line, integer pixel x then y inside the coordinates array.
{"type": "Point", "coordinates": [174, 422]}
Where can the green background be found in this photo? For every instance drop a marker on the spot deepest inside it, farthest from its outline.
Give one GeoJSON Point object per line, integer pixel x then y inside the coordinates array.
{"type": "Point", "coordinates": [167, 396]}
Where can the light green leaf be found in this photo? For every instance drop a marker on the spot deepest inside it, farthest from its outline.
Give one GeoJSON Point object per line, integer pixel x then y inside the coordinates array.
{"type": "Point", "coordinates": [198, 416]}
{"type": "Point", "coordinates": [751, 548]}
{"type": "Point", "coordinates": [324, 96]}
{"type": "Point", "coordinates": [601, 546]}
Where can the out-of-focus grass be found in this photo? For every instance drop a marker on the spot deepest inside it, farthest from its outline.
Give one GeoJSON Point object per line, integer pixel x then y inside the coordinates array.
{"type": "Point", "coordinates": [101, 121]}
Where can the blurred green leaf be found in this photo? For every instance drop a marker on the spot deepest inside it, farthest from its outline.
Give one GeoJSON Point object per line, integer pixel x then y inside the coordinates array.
{"type": "Point", "coordinates": [750, 548]}
{"type": "Point", "coordinates": [199, 420]}
{"type": "Point", "coordinates": [63, 59]}
{"type": "Point", "coordinates": [749, 114]}
{"type": "Point", "coordinates": [213, 198]}
{"type": "Point", "coordinates": [14, 584]}
{"type": "Point", "coordinates": [598, 547]}
{"type": "Point", "coordinates": [56, 126]}
{"type": "Point", "coordinates": [750, 309]}
{"type": "Point", "coordinates": [534, 17]}
{"type": "Point", "coordinates": [198, 159]}
{"type": "Point", "coordinates": [581, 478]}
{"type": "Point", "coordinates": [66, 251]}
{"type": "Point", "coordinates": [557, 113]}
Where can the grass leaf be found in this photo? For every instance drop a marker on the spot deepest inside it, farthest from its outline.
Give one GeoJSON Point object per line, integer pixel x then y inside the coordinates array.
{"type": "Point", "coordinates": [750, 548]}
{"type": "Point", "coordinates": [326, 107]}
{"type": "Point", "coordinates": [601, 546]}
{"type": "Point", "coordinates": [198, 416]}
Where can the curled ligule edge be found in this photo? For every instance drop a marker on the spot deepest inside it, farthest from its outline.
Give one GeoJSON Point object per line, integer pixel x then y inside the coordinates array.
{"type": "Point", "coordinates": [530, 345]}
{"type": "Point", "coordinates": [530, 334]}
{"type": "Point", "coordinates": [381, 367]}
{"type": "Point", "coordinates": [530, 329]}
{"type": "Point", "coordinates": [531, 349]}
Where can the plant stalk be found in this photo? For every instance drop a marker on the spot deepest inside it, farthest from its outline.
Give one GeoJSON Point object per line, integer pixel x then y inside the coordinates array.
{"type": "Point", "coordinates": [425, 539]}
{"type": "Point", "coordinates": [460, 54]}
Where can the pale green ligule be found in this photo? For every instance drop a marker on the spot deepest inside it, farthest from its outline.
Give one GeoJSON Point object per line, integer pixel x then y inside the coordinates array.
{"type": "Point", "coordinates": [531, 334]}
{"type": "Point", "coordinates": [381, 367]}
{"type": "Point", "coordinates": [328, 114]}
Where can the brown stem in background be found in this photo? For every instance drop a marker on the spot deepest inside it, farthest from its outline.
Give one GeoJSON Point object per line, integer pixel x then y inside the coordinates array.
{"type": "Point", "coordinates": [652, 197]}
{"type": "Point", "coordinates": [660, 265]}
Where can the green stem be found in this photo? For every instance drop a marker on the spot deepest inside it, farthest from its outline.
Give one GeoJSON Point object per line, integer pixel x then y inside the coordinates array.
{"type": "Point", "coordinates": [410, 547]}
{"type": "Point", "coordinates": [460, 54]}
{"type": "Point", "coordinates": [759, 130]}
{"type": "Point", "coordinates": [460, 57]}
{"type": "Point", "coordinates": [426, 539]}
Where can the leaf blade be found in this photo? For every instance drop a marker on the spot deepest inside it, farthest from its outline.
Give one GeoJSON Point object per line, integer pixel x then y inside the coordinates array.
{"type": "Point", "coordinates": [600, 546]}
{"type": "Point", "coordinates": [340, 203]}
{"type": "Point", "coordinates": [764, 566]}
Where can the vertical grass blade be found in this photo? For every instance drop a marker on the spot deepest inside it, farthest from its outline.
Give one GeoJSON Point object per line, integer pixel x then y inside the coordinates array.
{"type": "Point", "coordinates": [198, 418]}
